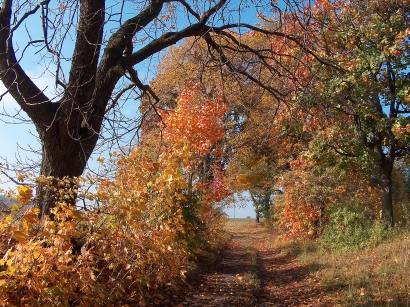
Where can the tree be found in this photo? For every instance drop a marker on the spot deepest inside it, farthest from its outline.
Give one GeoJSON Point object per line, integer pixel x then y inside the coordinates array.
{"type": "Point", "coordinates": [368, 86]}
{"type": "Point", "coordinates": [70, 124]}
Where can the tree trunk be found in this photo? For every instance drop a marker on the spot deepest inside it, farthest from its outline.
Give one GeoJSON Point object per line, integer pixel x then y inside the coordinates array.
{"type": "Point", "coordinates": [206, 174]}
{"type": "Point", "coordinates": [66, 148]}
{"type": "Point", "coordinates": [387, 197]}
{"type": "Point", "coordinates": [385, 161]}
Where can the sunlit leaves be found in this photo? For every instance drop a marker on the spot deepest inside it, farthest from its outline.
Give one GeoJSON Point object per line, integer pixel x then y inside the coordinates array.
{"type": "Point", "coordinates": [80, 254]}
{"type": "Point", "coordinates": [196, 120]}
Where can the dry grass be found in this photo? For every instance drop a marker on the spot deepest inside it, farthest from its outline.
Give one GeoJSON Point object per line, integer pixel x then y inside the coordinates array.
{"type": "Point", "coordinates": [378, 276]}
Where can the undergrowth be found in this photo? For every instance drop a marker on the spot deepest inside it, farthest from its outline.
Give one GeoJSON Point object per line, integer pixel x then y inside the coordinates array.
{"type": "Point", "coordinates": [148, 227]}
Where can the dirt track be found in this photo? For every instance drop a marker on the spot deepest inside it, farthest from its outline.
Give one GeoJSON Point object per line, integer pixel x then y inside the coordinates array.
{"type": "Point", "coordinates": [252, 272]}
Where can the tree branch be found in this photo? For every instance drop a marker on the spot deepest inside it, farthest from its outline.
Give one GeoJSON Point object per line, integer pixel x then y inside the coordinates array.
{"type": "Point", "coordinates": [30, 98]}
{"type": "Point", "coordinates": [86, 51]}
{"type": "Point", "coordinates": [189, 9]}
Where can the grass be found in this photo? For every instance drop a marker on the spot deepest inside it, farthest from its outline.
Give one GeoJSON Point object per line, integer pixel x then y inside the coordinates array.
{"type": "Point", "coordinates": [377, 276]}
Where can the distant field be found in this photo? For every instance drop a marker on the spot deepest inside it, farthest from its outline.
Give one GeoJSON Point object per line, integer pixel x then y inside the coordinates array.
{"type": "Point", "coordinates": [239, 220]}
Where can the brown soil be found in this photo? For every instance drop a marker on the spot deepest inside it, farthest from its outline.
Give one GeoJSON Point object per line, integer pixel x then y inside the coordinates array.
{"type": "Point", "coordinates": [252, 272]}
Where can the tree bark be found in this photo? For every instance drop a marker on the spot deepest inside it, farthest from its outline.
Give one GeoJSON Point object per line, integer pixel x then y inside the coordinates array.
{"type": "Point", "coordinates": [62, 156]}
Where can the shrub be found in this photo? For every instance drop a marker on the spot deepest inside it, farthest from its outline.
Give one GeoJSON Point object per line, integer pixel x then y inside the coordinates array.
{"type": "Point", "coordinates": [352, 227]}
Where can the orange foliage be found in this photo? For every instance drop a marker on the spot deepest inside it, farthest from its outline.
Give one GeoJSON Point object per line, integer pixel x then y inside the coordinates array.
{"type": "Point", "coordinates": [196, 121]}
{"type": "Point", "coordinates": [310, 191]}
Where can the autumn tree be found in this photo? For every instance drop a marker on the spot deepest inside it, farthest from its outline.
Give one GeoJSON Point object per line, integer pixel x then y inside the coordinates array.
{"type": "Point", "coordinates": [94, 74]}
{"type": "Point", "coordinates": [368, 86]}
{"type": "Point", "coordinates": [192, 131]}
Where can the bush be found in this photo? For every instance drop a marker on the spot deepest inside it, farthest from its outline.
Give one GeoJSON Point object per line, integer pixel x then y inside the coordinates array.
{"type": "Point", "coordinates": [352, 227]}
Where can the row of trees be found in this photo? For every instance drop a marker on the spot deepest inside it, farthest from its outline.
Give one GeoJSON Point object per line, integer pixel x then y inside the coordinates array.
{"type": "Point", "coordinates": [329, 119]}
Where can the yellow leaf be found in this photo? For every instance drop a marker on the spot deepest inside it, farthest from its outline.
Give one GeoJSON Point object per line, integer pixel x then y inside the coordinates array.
{"type": "Point", "coordinates": [24, 194]}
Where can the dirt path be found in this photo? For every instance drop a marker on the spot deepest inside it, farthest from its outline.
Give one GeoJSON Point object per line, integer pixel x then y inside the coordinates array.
{"type": "Point", "coordinates": [251, 272]}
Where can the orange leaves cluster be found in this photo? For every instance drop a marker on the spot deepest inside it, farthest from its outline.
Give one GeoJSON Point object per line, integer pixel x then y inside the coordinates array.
{"type": "Point", "coordinates": [311, 190]}
{"type": "Point", "coordinates": [196, 121]}
{"type": "Point", "coordinates": [192, 131]}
